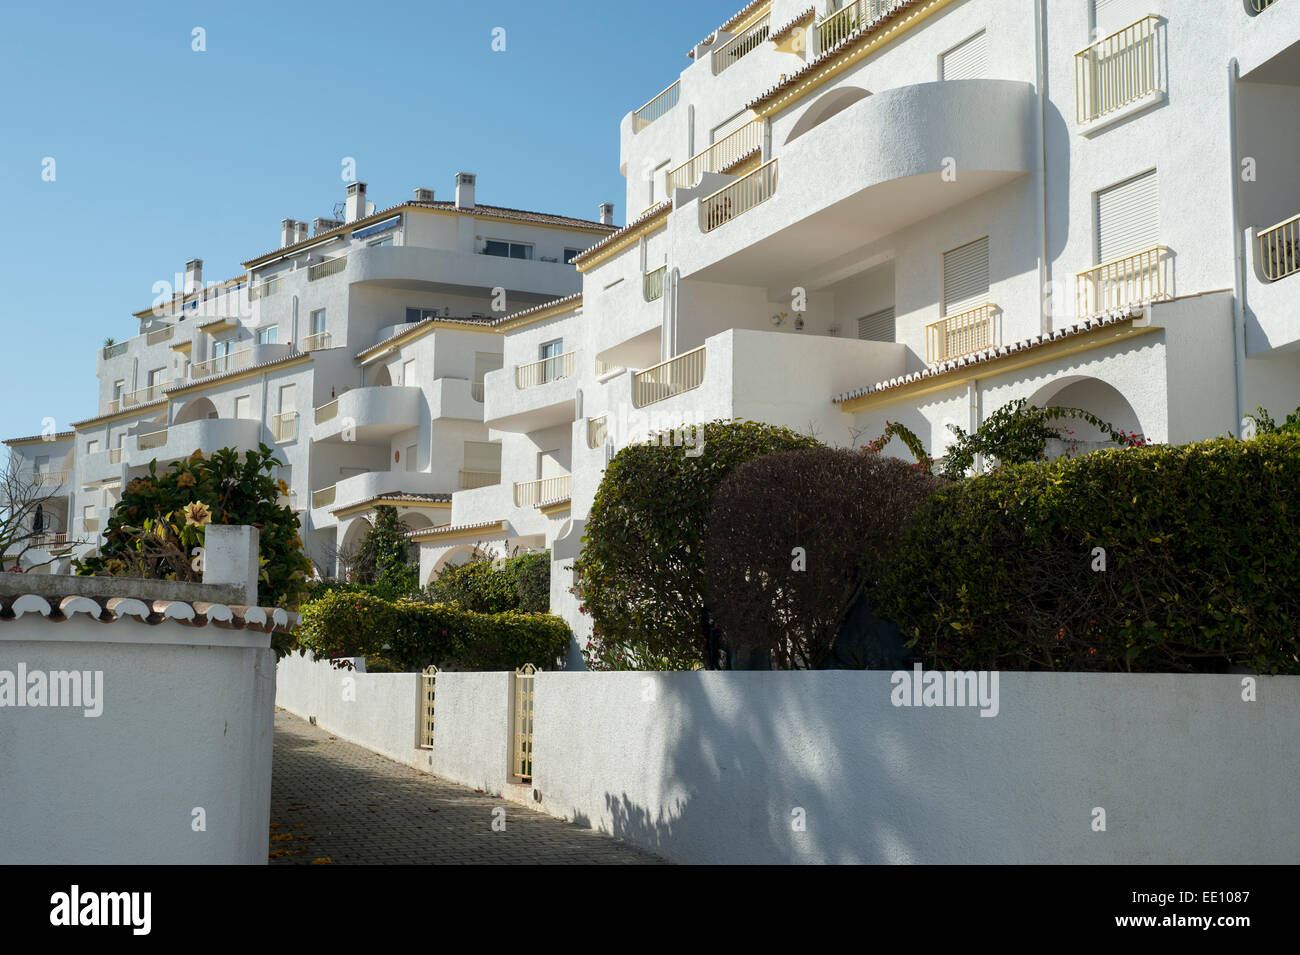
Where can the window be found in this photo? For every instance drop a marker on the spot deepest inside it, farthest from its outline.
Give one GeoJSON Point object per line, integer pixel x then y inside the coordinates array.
{"type": "Point", "coordinates": [92, 446]}
{"type": "Point", "coordinates": [878, 326]}
{"type": "Point", "coordinates": [288, 398]}
{"type": "Point", "coordinates": [411, 450]}
{"type": "Point", "coordinates": [244, 406]}
{"type": "Point", "coordinates": [269, 336]}
{"type": "Point", "coordinates": [318, 321]}
{"type": "Point", "coordinates": [222, 348]}
{"type": "Point", "coordinates": [88, 514]}
{"type": "Point", "coordinates": [1128, 218]}
{"type": "Point", "coordinates": [1111, 15]}
{"type": "Point", "coordinates": [375, 243]}
{"type": "Point", "coordinates": [661, 172]}
{"type": "Point", "coordinates": [42, 464]}
{"type": "Point", "coordinates": [571, 254]}
{"type": "Point", "coordinates": [966, 277]}
{"type": "Point", "coordinates": [551, 349]}
{"type": "Point", "coordinates": [509, 250]}
{"type": "Point", "coordinates": [118, 387]}
{"type": "Point", "coordinates": [966, 61]}
{"type": "Point", "coordinates": [408, 372]}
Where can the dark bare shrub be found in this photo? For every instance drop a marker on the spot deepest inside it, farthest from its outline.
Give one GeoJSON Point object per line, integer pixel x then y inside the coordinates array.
{"type": "Point", "coordinates": [793, 540]}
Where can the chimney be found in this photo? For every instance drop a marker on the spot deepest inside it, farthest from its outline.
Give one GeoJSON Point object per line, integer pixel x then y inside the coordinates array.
{"type": "Point", "coordinates": [300, 232]}
{"type": "Point", "coordinates": [424, 195]}
{"type": "Point", "coordinates": [607, 213]}
{"type": "Point", "coordinates": [193, 275]}
{"type": "Point", "coordinates": [356, 204]}
{"type": "Point", "coordinates": [319, 225]}
{"type": "Point", "coordinates": [465, 190]}
{"type": "Point", "coordinates": [287, 232]}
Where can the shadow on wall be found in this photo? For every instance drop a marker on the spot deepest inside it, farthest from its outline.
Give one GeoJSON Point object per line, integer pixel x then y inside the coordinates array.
{"type": "Point", "coordinates": [754, 772]}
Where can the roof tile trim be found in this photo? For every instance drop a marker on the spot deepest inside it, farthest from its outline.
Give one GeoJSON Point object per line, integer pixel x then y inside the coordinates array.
{"type": "Point", "coordinates": [989, 354]}
{"type": "Point", "coordinates": [799, 19]}
{"type": "Point", "coordinates": [726, 27]}
{"type": "Point", "coordinates": [153, 612]}
{"type": "Point", "coordinates": [642, 219]}
{"type": "Point", "coordinates": [451, 528]}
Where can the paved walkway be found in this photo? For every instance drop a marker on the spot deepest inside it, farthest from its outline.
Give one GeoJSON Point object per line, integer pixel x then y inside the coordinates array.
{"type": "Point", "coordinates": [340, 802]}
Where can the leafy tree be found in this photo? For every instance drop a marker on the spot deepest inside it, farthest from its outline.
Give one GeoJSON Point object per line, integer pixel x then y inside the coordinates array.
{"type": "Point", "coordinates": [785, 569]}
{"type": "Point", "coordinates": [641, 571]}
{"type": "Point", "coordinates": [385, 558]}
{"type": "Point", "coordinates": [161, 518]}
{"type": "Point", "coordinates": [519, 582]}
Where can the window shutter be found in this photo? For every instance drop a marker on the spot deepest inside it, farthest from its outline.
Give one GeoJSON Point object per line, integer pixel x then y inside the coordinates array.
{"type": "Point", "coordinates": [966, 277]}
{"type": "Point", "coordinates": [730, 126]}
{"type": "Point", "coordinates": [1113, 15]}
{"type": "Point", "coordinates": [1128, 218]}
{"type": "Point", "coordinates": [967, 61]}
{"type": "Point", "coordinates": [878, 326]}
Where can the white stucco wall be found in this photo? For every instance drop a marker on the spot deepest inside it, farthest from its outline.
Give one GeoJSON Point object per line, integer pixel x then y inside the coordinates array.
{"type": "Point", "coordinates": [186, 724]}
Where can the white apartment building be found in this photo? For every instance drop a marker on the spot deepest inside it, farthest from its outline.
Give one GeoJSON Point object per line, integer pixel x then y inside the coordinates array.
{"type": "Point", "coordinates": [357, 349]}
{"type": "Point", "coordinates": [917, 211]}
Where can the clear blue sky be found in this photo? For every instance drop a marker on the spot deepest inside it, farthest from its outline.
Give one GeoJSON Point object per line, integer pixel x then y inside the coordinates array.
{"type": "Point", "coordinates": [163, 154]}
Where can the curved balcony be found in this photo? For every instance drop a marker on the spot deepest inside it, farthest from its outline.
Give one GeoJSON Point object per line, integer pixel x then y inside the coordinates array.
{"type": "Point", "coordinates": [363, 487]}
{"type": "Point", "coordinates": [411, 267]}
{"type": "Point", "coordinates": [457, 398]}
{"type": "Point", "coordinates": [865, 171]}
{"type": "Point", "coordinates": [181, 440]}
{"type": "Point", "coordinates": [100, 466]}
{"type": "Point", "coordinates": [532, 396]}
{"type": "Point", "coordinates": [369, 415]}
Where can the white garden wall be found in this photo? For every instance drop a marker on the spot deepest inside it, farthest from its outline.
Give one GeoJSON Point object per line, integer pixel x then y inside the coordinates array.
{"type": "Point", "coordinates": [721, 767]}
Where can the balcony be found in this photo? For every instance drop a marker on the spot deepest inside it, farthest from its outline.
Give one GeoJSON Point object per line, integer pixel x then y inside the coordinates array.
{"type": "Point", "coordinates": [50, 478]}
{"type": "Point", "coordinates": [159, 335]}
{"type": "Point", "coordinates": [737, 198]}
{"type": "Point", "coordinates": [476, 391]}
{"type": "Point", "coordinates": [1133, 280]}
{"type": "Point", "coordinates": [264, 289]}
{"type": "Point", "coordinates": [1117, 71]}
{"type": "Point", "coordinates": [741, 44]}
{"type": "Point", "coordinates": [723, 154]}
{"type": "Point", "coordinates": [1278, 249]}
{"type": "Point", "coordinates": [472, 479]}
{"type": "Point", "coordinates": [370, 415]}
{"type": "Point", "coordinates": [454, 398]}
{"type": "Point", "coordinates": [115, 455]}
{"type": "Point", "coordinates": [181, 440]}
{"type": "Point", "coordinates": [652, 285]}
{"type": "Point", "coordinates": [323, 270]}
{"type": "Point", "coordinates": [53, 539]}
{"type": "Point", "coordinates": [658, 106]}
{"type": "Point", "coordinates": [144, 396]}
{"type": "Point", "coordinates": [284, 426]}
{"type": "Point", "coordinates": [364, 487]}
{"type": "Point", "coordinates": [861, 173]}
{"type": "Point", "coordinates": [1259, 6]}
{"type": "Point", "coordinates": [837, 27]}
{"type": "Point", "coordinates": [116, 349]}
{"type": "Point", "coordinates": [232, 361]}
{"type": "Point", "coordinates": [544, 371]}
{"type": "Point", "coordinates": [961, 334]}
{"type": "Point", "coordinates": [668, 378]}
{"type": "Point", "coordinates": [317, 342]}
{"type": "Point", "coordinates": [597, 431]}
{"type": "Point", "coordinates": [543, 491]}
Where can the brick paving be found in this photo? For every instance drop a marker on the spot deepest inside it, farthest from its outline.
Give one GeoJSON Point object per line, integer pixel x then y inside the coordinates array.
{"type": "Point", "coordinates": [341, 802]}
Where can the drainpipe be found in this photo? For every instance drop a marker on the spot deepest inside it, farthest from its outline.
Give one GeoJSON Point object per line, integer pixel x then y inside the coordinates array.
{"type": "Point", "coordinates": [767, 139]}
{"type": "Point", "coordinates": [668, 340]}
{"type": "Point", "coordinates": [1239, 258]}
{"type": "Point", "coordinates": [1044, 273]}
{"type": "Point", "coordinates": [973, 419]}
{"type": "Point", "coordinates": [690, 130]}
{"type": "Point", "coordinates": [293, 336]}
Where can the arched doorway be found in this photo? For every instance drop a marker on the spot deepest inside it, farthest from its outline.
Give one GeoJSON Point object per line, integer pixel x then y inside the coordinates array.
{"type": "Point", "coordinates": [1095, 396]}
{"type": "Point", "coordinates": [196, 410]}
{"type": "Point", "coordinates": [825, 107]}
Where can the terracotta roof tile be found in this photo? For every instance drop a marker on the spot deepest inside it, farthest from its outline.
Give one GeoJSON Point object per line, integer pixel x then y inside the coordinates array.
{"type": "Point", "coordinates": [60, 609]}
{"type": "Point", "coordinates": [651, 213]}
{"type": "Point", "coordinates": [726, 27]}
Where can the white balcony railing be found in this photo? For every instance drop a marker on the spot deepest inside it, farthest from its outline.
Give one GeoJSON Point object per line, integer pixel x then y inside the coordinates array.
{"type": "Point", "coordinates": [746, 42]}
{"type": "Point", "coordinates": [118, 348]}
{"type": "Point", "coordinates": [327, 268]}
{"type": "Point", "coordinates": [739, 197]}
{"type": "Point", "coordinates": [264, 289]}
{"type": "Point", "coordinates": [1117, 70]}
{"type": "Point", "coordinates": [317, 342]}
{"type": "Point", "coordinates": [50, 478]}
{"type": "Point", "coordinates": [647, 114]}
{"type": "Point", "coordinates": [668, 378]}
{"type": "Point", "coordinates": [144, 396]}
{"type": "Point", "coordinates": [722, 154]}
{"type": "Point", "coordinates": [476, 390]}
{"type": "Point", "coordinates": [324, 497]}
{"type": "Point", "coordinates": [955, 335]}
{"type": "Point", "coordinates": [537, 493]}
{"type": "Point", "coordinates": [652, 286]}
{"type": "Point", "coordinates": [160, 335]}
{"type": "Point", "coordinates": [52, 539]}
{"type": "Point", "coordinates": [1279, 249]}
{"type": "Point", "coordinates": [284, 426]}
{"type": "Point", "coordinates": [1132, 280]}
{"type": "Point", "coordinates": [154, 439]}
{"type": "Point", "coordinates": [231, 361]}
{"type": "Point", "coordinates": [597, 430]}
{"type": "Point", "coordinates": [849, 19]}
{"type": "Point", "coordinates": [548, 369]}
{"type": "Point", "coordinates": [470, 479]}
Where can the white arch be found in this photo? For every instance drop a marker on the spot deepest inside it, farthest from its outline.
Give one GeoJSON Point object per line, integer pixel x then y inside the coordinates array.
{"type": "Point", "coordinates": [825, 107]}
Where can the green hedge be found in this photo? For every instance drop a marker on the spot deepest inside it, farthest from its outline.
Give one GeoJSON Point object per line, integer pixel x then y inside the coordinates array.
{"type": "Point", "coordinates": [522, 583]}
{"type": "Point", "coordinates": [343, 624]}
{"type": "Point", "coordinates": [1202, 563]}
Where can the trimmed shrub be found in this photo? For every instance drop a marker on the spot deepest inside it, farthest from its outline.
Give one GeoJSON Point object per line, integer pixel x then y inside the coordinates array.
{"type": "Point", "coordinates": [641, 571]}
{"type": "Point", "coordinates": [1200, 546]}
{"type": "Point", "coordinates": [412, 634]}
{"type": "Point", "coordinates": [522, 582]}
{"type": "Point", "coordinates": [794, 539]}
{"type": "Point", "coordinates": [386, 559]}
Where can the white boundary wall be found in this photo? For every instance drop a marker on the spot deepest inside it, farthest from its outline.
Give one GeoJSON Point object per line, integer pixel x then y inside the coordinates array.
{"type": "Point", "coordinates": [713, 767]}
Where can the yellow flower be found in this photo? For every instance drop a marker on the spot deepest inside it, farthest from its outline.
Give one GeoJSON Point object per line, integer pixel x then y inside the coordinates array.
{"type": "Point", "coordinates": [197, 514]}
{"type": "Point", "coordinates": [186, 479]}
{"type": "Point", "coordinates": [282, 486]}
